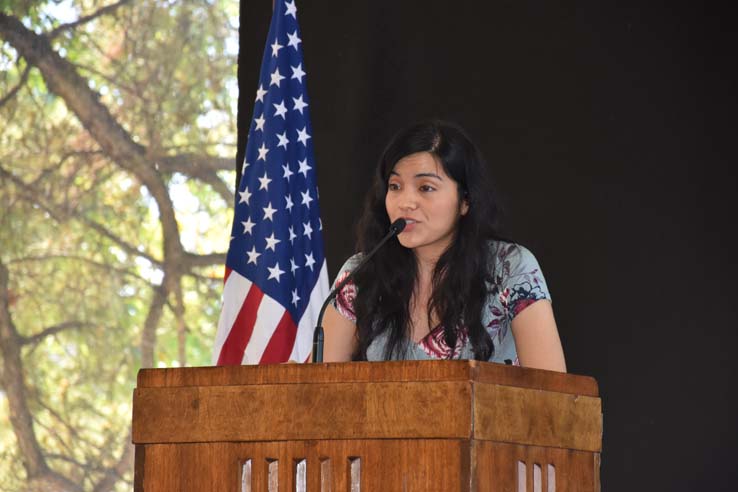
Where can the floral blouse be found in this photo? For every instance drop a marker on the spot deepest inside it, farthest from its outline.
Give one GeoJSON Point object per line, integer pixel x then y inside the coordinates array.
{"type": "Point", "coordinates": [518, 284]}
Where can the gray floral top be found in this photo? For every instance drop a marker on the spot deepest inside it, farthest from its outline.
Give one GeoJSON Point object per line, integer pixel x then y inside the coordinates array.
{"type": "Point", "coordinates": [518, 284]}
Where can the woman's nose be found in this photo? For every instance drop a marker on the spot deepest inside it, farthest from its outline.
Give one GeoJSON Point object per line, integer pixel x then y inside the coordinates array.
{"type": "Point", "coordinates": [408, 201]}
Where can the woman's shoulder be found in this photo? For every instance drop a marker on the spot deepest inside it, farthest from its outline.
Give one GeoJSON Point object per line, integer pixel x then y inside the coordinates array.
{"type": "Point", "coordinates": [511, 254]}
{"type": "Point", "coordinates": [351, 263]}
{"type": "Point", "coordinates": [348, 266]}
{"type": "Point", "coordinates": [517, 270]}
{"type": "Point", "coordinates": [344, 299]}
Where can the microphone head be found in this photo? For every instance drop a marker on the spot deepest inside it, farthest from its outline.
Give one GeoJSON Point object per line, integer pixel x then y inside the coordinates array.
{"type": "Point", "coordinates": [397, 226]}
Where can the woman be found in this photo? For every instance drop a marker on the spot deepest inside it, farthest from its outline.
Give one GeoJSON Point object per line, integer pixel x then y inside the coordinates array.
{"type": "Point", "coordinates": [448, 287]}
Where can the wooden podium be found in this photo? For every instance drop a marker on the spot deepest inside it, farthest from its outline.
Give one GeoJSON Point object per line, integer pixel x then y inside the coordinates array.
{"type": "Point", "coordinates": [368, 426]}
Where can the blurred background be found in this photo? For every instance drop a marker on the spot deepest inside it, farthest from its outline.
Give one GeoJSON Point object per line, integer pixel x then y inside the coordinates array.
{"type": "Point", "coordinates": [112, 240]}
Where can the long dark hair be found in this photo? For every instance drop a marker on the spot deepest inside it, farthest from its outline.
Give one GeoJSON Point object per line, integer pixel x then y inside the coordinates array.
{"type": "Point", "coordinates": [463, 272]}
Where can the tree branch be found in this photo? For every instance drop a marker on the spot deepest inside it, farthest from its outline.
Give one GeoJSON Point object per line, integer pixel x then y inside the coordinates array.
{"type": "Point", "coordinates": [122, 244]}
{"type": "Point", "coordinates": [15, 388]}
{"type": "Point", "coordinates": [53, 330]}
{"type": "Point", "coordinates": [187, 262]}
{"type": "Point", "coordinates": [83, 20]}
{"type": "Point", "coordinates": [193, 260]}
{"type": "Point", "coordinates": [123, 272]}
{"type": "Point", "coordinates": [34, 197]}
{"type": "Point", "coordinates": [123, 465]}
{"type": "Point", "coordinates": [194, 164]}
{"type": "Point", "coordinates": [202, 167]}
{"type": "Point", "coordinates": [148, 336]}
{"type": "Point", "coordinates": [117, 82]}
{"type": "Point", "coordinates": [63, 80]}
{"type": "Point", "coordinates": [53, 428]}
{"type": "Point", "coordinates": [10, 95]}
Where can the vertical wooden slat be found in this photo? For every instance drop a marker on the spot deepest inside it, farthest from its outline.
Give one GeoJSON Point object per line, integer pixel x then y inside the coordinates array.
{"type": "Point", "coordinates": [522, 477]}
{"type": "Point", "coordinates": [551, 478]}
{"type": "Point", "coordinates": [355, 473]}
{"type": "Point", "coordinates": [246, 476]}
{"type": "Point", "coordinates": [139, 468]}
{"type": "Point", "coordinates": [272, 475]}
{"type": "Point", "coordinates": [300, 478]}
{"type": "Point", "coordinates": [326, 475]}
{"type": "Point", "coordinates": [537, 478]}
{"type": "Point", "coordinates": [596, 472]}
{"type": "Point", "coordinates": [258, 472]}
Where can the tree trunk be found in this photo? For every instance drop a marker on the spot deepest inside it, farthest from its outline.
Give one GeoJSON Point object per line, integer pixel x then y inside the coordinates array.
{"type": "Point", "coordinates": [40, 477]}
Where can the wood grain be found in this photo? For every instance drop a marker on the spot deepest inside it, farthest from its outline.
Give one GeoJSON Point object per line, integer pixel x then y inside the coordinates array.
{"type": "Point", "coordinates": [302, 411]}
{"type": "Point", "coordinates": [496, 467]}
{"type": "Point", "coordinates": [535, 417]}
{"type": "Point", "coordinates": [366, 410]}
{"type": "Point", "coordinates": [409, 371]}
{"type": "Point", "coordinates": [426, 426]}
{"type": "Point", "coordinates": [386, 465]}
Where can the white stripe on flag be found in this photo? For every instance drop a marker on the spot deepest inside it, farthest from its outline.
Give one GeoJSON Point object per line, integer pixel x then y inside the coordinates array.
{"type": "Point", "coordinates": [267, 318]}
{"type": "Point", "coordinates": [235, 290]}
{"type": "Point", "coordinates": [304, 340]}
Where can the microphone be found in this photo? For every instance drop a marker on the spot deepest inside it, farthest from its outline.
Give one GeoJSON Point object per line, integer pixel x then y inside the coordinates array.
{"type": "Point", "coordinates": [396, 228]}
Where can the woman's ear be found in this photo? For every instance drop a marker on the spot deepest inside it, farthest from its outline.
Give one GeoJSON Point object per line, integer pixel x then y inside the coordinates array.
{"type": "Point", "coordinates": [464, 206]}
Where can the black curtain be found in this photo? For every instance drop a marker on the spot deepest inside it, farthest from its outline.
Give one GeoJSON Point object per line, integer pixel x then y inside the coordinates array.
{"type": "Point", "coordinates": [610, 130]}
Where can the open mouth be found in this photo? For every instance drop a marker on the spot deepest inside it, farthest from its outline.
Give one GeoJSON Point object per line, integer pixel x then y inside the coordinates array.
{"type": "Point", "coordinates": [409, 224]}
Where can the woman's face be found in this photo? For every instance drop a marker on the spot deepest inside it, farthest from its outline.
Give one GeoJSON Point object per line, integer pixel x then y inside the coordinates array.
{"type": "Point", "coordinates": [420, 192]}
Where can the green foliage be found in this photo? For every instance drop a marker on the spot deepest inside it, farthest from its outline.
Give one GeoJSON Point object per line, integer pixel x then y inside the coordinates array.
{"type": "Point", "coordinates": [80, 235]}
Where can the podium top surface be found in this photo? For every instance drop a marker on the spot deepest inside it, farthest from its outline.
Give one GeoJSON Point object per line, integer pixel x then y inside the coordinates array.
{"type": "Point", "coordinates": [466, 400]}
{"type": "Point", "coordinates": [347, 372]}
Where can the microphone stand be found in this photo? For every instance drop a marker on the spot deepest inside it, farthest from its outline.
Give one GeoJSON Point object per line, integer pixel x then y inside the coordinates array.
{"type": "Point", "coordinates": [318, 335]}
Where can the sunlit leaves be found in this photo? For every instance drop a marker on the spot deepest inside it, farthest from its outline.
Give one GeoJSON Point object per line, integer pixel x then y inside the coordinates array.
{"type": "Point", "coordinates": [80, 234]}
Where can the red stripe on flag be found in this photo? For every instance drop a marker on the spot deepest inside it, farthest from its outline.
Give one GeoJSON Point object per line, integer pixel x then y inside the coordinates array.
{"type": "Point", "coordinates": [227, 273]}
{"type": "Point", "coordinates": [280, 345]}
{"type": "Point", "coordinates": [238, 337]}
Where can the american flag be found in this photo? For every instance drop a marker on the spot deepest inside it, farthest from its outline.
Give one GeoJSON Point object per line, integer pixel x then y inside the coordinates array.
{"type": "Point", "coordinates": [276, 277]}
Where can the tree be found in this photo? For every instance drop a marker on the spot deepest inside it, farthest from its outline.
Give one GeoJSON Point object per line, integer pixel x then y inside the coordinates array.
{"type": "Point", "coordinates": [117, 131]}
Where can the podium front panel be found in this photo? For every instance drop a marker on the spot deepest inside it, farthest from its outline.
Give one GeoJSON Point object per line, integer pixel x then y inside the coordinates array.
{"type": "Point", "coordinates": [336, 466]}
{"type": "Point", "coordinates": [394, 426]}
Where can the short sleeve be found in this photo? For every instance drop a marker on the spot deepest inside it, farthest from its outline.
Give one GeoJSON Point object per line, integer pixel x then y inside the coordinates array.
{"type": "Point", "coordinates": [344, 300]}
{"type": "Point", "coordinates": [522, 280]}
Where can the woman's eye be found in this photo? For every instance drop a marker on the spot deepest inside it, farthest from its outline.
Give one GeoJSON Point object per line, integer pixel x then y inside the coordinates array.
{"type": "Point", "coordinates": [393, 187]}
{"type": "Point", "coordinates": [427, 188]}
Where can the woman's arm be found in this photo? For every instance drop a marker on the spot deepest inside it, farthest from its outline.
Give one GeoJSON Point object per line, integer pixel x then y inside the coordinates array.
{"type": "Point", "coordinates": [537, 338]}
{"type": "Point", "coordinates": [340, 337]}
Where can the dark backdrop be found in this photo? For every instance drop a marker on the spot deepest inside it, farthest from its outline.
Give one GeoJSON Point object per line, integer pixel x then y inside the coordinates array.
{"type": "Point", "coordinates": [610, 131]}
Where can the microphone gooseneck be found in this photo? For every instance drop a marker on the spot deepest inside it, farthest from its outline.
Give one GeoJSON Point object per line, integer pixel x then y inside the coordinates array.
{"type": "Point", "coordinates": [395, 228]}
